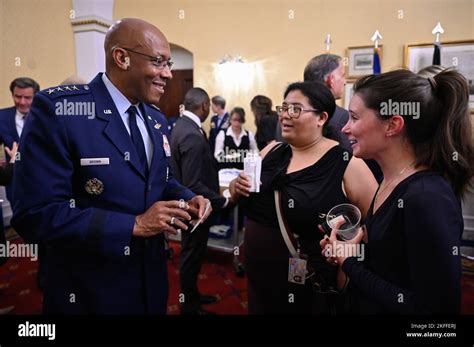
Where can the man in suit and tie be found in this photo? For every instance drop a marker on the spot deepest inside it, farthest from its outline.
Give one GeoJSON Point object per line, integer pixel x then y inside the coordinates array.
{"type": "Point", "coordinates": [12, 119]}
{"type": "Point", "coordinates": [94, 182]}
{"type": "Point", "coordinates": [219, 121]}
{"type": "Point", "coordinates": [196, 168]}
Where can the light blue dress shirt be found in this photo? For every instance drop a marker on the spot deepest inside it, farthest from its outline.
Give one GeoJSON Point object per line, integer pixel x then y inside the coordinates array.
{"type": "Point", "coordinates": [123, 104]}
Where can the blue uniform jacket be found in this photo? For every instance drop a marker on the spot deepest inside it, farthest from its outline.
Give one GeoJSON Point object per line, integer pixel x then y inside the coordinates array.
{"type": "Point", "coordinates": [85, 213]}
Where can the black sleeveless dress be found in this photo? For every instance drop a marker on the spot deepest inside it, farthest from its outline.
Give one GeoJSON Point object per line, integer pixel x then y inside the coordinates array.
{"type": "Point", "coordinates": [305, 194]}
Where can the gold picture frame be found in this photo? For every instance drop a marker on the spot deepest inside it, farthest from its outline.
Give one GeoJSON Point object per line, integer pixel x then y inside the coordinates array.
{"type": "Point", "coordinates": [458, 54]}
{"type": "Point", "coordinates": [360, 61]}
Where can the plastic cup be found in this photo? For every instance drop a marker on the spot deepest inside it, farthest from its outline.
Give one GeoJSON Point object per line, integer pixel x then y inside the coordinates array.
{"type": "Point", "coordinates": [346, 219]}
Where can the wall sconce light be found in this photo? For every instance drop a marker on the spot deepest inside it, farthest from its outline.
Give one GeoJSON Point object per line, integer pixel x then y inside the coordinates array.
{"type": "Point", "coordinates": [234, 75]}
{"type": "Point", "coordinates": [229, 59]}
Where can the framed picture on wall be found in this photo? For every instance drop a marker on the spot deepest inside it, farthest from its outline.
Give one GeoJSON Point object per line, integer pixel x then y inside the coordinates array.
{"type": "Point", "coordinates": [348, 92]}
{"type": "Point", "coordinates": [361, 60]}
{"type": "Point", "coordinates": [457, 54]}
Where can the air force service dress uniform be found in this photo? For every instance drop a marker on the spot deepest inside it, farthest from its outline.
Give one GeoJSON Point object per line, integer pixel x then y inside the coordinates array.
{"type": "Point", "coordinates": [79, 185]}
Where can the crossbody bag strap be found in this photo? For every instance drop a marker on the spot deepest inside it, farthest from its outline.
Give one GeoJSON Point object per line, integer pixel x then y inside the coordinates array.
{"type": "Point", "coordinates": [283, 229]}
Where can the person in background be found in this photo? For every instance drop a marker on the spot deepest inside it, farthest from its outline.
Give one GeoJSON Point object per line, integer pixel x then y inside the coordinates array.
{"type": "Point", "coordinates": [312, 174]}
{"type": "Point", "coordinates": [219, 121]}
{"type": "Point", "coordinates": [265, 120]}
{"type": "Point", "coordinates": [12, 119]}
{"type": "Point", "coordinates": [414, 224]}
{"type": "Point", "coordinates": [235, 142]}
{"type": "Point", "coordinates": [195, 167]}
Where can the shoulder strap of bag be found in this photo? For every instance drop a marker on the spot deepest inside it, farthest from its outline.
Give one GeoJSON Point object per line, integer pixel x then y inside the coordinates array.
{"type": "Point", "coordinates": [284, 231]}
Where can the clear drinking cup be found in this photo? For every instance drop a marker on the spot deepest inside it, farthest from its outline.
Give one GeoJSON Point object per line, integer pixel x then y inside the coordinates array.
{"type": "Point", "coordinates": [346, 219]}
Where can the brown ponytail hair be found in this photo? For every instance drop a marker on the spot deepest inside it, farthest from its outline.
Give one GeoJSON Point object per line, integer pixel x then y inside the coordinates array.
{"type": "Point", "coordinates": [441, 134]}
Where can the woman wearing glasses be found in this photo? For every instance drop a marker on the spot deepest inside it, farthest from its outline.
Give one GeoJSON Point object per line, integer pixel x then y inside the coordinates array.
{"type": "Point", "coordinates": [312, 174]}
{"type": "Point", "coordinates": [233, 143]}
{"type": "Point", "coordinates": [415, 221]}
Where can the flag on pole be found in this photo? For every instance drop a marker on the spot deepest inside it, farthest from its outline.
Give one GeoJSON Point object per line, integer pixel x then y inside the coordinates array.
{"type": "Point", "coordinates": [376, 65]}
{"type": "Point", "coordinates": [437, 31]}
{"type": "Point", "coordinates": [376, 37]}
{"type": "Point", "coordinates": [437, 54]}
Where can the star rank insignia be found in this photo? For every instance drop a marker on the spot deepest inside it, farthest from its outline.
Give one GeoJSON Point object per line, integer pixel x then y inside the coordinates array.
{"type": "Point", "coordinates": [50, 91]}
{"type": "Point", "coordinates": [94, 186]}
{"type": "Point", "coordinates": [157, 126]}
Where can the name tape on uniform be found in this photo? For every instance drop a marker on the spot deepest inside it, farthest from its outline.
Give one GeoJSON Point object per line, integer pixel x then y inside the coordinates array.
{"type": "Point", "coordinates": [94, 161]}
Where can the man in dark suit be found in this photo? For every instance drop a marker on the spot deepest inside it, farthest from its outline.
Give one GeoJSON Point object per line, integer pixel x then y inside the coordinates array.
{"type": "Point", "coordinates": [94, 182]}
{"type": "Point", "coordinates": [196, 168]}
{"type": "Point", "coordinates": [219, 121]}
{"type": "Point", "coordinates": [12, 119]}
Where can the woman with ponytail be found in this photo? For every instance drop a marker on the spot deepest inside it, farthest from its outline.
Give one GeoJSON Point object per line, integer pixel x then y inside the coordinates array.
{"type": "Point", "coordinates": [418, 130]}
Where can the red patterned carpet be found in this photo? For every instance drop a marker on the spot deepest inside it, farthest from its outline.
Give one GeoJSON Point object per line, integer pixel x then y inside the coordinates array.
{"type": "Point", "coordinates": [18, 285]}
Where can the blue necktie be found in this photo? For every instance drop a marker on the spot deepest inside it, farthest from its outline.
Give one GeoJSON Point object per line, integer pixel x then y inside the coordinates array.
{"type": "Point", "coordinates": [137, 138]}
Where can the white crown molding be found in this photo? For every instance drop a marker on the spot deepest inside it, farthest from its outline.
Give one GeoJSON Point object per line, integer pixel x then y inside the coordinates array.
{"type": "Point", "coordinates": [90, 23]}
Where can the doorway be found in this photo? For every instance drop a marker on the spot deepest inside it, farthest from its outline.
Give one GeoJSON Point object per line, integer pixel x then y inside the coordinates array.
{"type": "Point", "coordinates": [181, 82]}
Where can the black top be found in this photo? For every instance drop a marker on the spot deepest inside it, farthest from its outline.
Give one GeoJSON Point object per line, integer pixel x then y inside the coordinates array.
{"type": "Point", "coordinates": [266, 129]}
{"type": "Point", "coordinates": [412, 262]}
{"type": "Point", "coordinates": [304, 194]}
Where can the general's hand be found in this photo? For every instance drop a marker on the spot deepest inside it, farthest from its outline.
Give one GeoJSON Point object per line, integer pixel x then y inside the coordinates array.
{"type": "Point", "coordinates": [162, 216]}
{"type": "Point", "coordinates": [12, 152]}
{"type": "Point", "coordinates": [197, 207]}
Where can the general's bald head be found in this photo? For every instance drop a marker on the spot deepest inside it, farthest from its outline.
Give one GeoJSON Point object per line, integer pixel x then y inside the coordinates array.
{"type": "Point", "coordinates": [131, 33]}
{"type": "Point", "coordinates": [137, 55]}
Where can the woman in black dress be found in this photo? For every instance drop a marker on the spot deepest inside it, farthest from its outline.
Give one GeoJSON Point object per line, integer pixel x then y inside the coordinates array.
{"type": "Point", "coordinates": [313, 174]}
{"type": "Point", "coordinates": [412, 260]}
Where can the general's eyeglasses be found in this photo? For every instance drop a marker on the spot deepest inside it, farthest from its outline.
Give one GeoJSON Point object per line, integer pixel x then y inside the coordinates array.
{"type": "Point", "coordinates": [294, 111]}
{"type": "Point", "coordinates": [159, 62]}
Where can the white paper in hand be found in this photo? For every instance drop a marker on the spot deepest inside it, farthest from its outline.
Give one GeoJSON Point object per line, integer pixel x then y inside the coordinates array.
{"type": "Point", "coordinates": [253, 168]}
{"type": "Point", "coordinates": [208, 206]}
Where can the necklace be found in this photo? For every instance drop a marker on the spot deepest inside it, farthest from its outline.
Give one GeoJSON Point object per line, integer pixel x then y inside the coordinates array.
{"type": "Point", "coordinates": [379, 192]}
